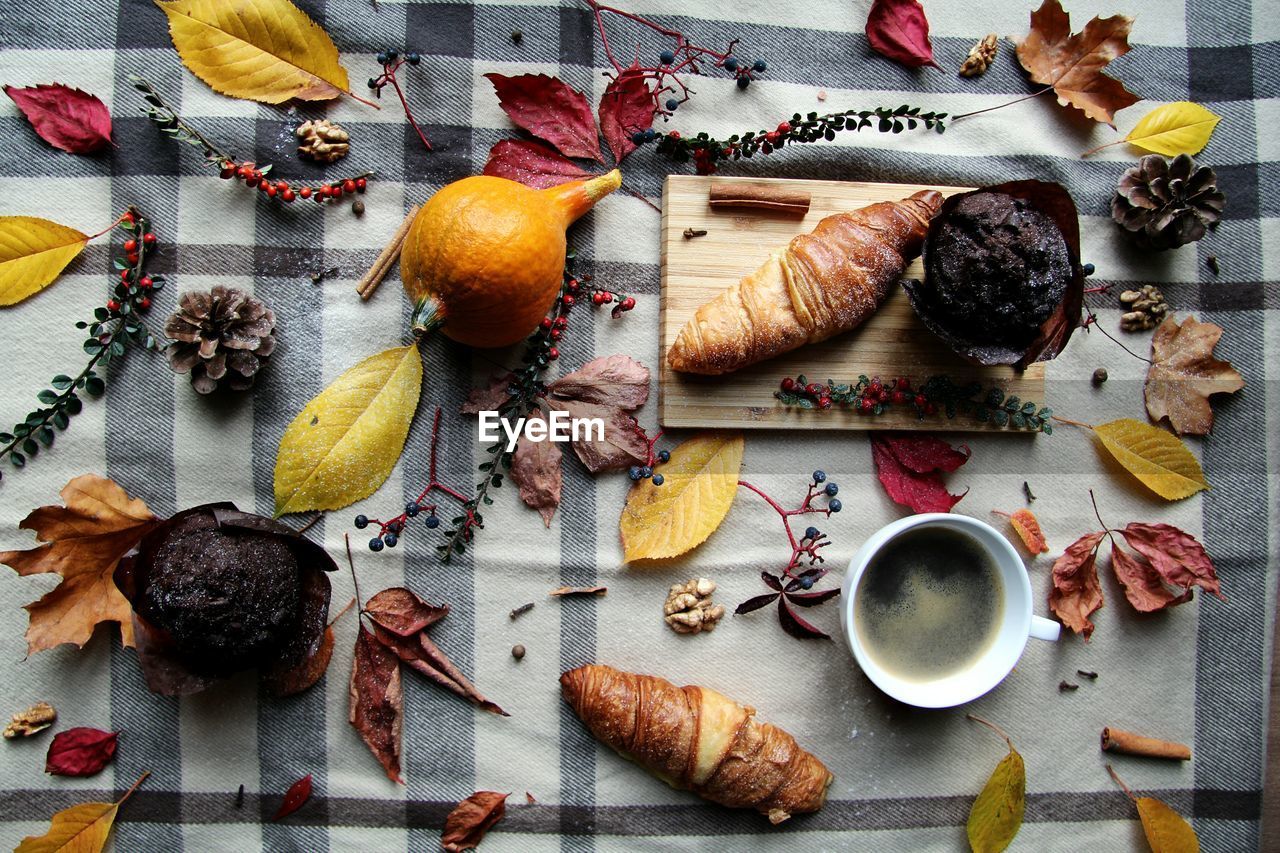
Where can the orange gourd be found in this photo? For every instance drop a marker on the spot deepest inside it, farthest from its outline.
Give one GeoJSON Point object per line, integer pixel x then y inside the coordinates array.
{"type": "Point", "coordinates": [483, 258]}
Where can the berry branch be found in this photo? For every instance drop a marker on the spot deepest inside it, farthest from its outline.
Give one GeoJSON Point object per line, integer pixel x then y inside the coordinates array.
{"type": "Point", "coordinates": [706, 151]}
{"type": "Point", "coordinates": [114, 327]}
{"type": "Point", "coordinates": [391, 62]}
{"type": "Point", "coordinates": [789, 586]}
{"type": "Point", "coordinates": [253, 175]}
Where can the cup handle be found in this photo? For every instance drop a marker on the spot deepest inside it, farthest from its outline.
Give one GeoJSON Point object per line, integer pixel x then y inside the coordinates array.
{"type": "Point", "coordinates": [1045, 629]}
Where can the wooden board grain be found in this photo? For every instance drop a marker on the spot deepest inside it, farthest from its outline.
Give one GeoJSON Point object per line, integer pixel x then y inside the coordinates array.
{"type": "Point", "coordinates": [891, 343]}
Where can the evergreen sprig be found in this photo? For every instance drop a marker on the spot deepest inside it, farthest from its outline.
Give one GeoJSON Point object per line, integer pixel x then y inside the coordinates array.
{"type": "Point", "coordinates": [172, 124]}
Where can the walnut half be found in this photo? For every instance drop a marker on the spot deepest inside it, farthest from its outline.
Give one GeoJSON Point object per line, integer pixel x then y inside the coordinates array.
{"type": "Point", "coordinates": [689, 608]}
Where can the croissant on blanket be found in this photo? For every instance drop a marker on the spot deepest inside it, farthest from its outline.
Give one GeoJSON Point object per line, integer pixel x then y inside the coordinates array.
{"type": "Point", "coordinates": [697, 739]}
{"type": "Point", "coordinates": [818, 285]}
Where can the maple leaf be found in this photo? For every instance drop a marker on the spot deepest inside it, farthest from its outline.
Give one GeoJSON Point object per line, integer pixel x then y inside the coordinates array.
{"type": "Point", "coordinates": [83, 542]}
{"type": "Point", "coordinates": [66, 118]}
{"type": "Point", "coordinates": [1072, 63]}
{"type": "Point", "coordinates": [551, 110]}
{"type": "Point", "coordinates": [909, 466]}
{"type": "Point", "coordinates": [626, 107]}
{"type": "Point", "coordinates": [532, 164]}
{"type": "Point", "coordinates": [1076, 592]}
{"type": "Point", "coordinates": [1184, 374]}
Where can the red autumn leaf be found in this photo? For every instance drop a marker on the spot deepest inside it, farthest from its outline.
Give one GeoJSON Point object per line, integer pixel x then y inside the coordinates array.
{"type": "Point", "coordinates": [299, 792]}
{"type": "Point", "coordinates": [377, 701]}
{"type": "Point", "coordinates": [466, 825]}
{"type": "Point", "coordinates": [66, 118]}
{"type": "Point", "coordinates": [551, 110]}
{"type": "Point", "coordinates": [535, 469]}
{"type": "Point", "coordinates": [1176, 556]}
{"type": "Point", "coordinates": [1076, 592]}
{"type": "Point", "coordinates": [1142, 584]}
{"type": "Point", "coordinates": [532, 164]}
{"type": "Point", "coordinates": [899, 30]}
{"type": "Point", "coordinates": [795, 625]}
{"type": "Point", "coordinates": [627, 106]}
{"type": "Point", "coordinates": [80, 752]}
{"type": "Point", "coordinates": [908, 468]}
{"type": "Point", "coordinates": [1027, 526]}
{"type": "Point", "coordinates": [402, 612]}
{"type": "Point", "coordinates": [615, 380]}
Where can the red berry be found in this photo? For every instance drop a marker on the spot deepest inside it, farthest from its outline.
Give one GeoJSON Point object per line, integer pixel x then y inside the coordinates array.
{"type": "Point", "coordinates": [305, 192]}
{"type": "Point", "coordinates": [899, 398]}
{"type": "Point", "coordinates": [627, 304]}
{"type": "Point", "coordinates": [348, 186]}
{"type": "Point", "coordinates": [144, 303]}
{"type": "Point", "coordinates": [113, 305]}
{"type": "Point", "coordinates": [124, 275]}
{"type": "Point", "coordinates": [361, 183]}
{"type": "Point", "coordinates": [813, 389]}
{"type": "Point", "coordinates": [546, 323]}
{"type": "Point", "coordinates": [824, 402]}
{"type": "Point", "coordinates": [867, 404]}
{"type": "Point", "coordinates": [771, 137]}
{"type": "Point", "coordinates": [920, 401]}
{"type": "Point", "coordinates": [145, 282]}
{"type": "Point", "coordinates": [131, 245]}
{"type": "Point", "coordinates": [149, 238]}
{"type": "Point", "coordinates": [573, 285]}
{"type": "Point", "coordinates": [568, 299]}
{"type": "Point", "coordinates": [557, 334]}
{"type": "Point", "coordinates": [553, 353]}
{"type": "Point", "coordinates": [244, 172]}
{"type": "Point", "coordinates": [788, 384]}
{"type": "Point", "coordinates": [320, 197]}
{"type": "Point", "coordinates": [903, 383]}
{"type": "Point", "coordinates": [132, 257]}
{"type": "Point", "coordinates": [251, 181]}
{"type": "Point", "coordinates": [271, 190]}
{"type": "Point", "coordinates": [675, 134]}
{"type": "Point", "coordinates": [784, 127]}
{"type": "Point", "coordinates": [288, 195]}
{"type": "Point", "coordinates": [227, 171]}
{"type": "Point", "coordinates": [561, 322]}
{"type": "Point", "coordinates": [930, 409]}
{"type": "Point", "coordinates": [883, 396]}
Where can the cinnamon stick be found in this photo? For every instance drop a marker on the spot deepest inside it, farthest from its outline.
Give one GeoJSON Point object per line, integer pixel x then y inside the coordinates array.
{"type": "Point", "coordinates": [776, 197]}
{"type": "Point", "coordinates": [1129, 743]}
{"type": "Point", "coordinates": [579, 590]}
{"type": "Point", "coordinates": [389, 255]}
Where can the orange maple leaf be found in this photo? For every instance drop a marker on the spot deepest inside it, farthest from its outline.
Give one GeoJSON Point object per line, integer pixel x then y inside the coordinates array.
{"type": "Point", "coordinates": [83, 543]}
{"type": "Point", "coordinates": [1184, 374]}
{"type": "Point", "coordinates": [1072, 64]}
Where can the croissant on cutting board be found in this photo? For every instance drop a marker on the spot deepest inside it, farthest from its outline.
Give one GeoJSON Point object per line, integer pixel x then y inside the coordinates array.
{"type": "Point", "coordinates": [697, 739]}
{"type": "Point", "coordinates": [818, 285]}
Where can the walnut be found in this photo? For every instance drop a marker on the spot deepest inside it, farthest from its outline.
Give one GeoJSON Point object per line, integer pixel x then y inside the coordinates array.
{"type": "Point", "coordinates": [1144, 309]}
{"type": "Point", "coordinates": [689, 608]}
{"type": "Point", "coordinates": [322, 140]}
{"type": "Point", "coordinates": [35, 719]}
{"type": "Point", "coordinates": [980, 57]}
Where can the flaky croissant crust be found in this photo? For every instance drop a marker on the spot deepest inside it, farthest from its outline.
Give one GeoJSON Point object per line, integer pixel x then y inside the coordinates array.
{"type": "Point", "coordinates": [697, 739]}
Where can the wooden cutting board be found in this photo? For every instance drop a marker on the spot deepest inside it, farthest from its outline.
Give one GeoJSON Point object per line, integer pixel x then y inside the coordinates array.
{"type": "Point", "coordinates": [893, 342]}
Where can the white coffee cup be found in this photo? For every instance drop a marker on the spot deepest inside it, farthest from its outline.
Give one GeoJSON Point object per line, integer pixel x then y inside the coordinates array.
{"type": "Point", "coordinates": [988, 670]}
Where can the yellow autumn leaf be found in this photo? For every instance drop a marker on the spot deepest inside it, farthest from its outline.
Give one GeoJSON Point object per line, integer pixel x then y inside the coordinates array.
{"type": "Point", "coordinates": [33, 252]}
{"type": "Point", "coordinates": [1182, 127]}
{"type": "Point", "coordinates": [1165, 829]}
{"type": "Point", "coordinates": [263, 50]}
{"type": "Point", "coordinates": [701, 479]}
{"type": "Point", "coordinates": [82, 828]}
{"type": "Point", "coordinates": [1157, 458]}
{"type": "Point", "coordinates": [996, 815]}
{"type": "Point", "coordinates": [343, 444]}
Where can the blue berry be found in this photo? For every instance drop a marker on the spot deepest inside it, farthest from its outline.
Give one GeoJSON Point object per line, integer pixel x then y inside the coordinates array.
{"type": "Point", "coordinates": [433, 522]}
{"type": "Point", "coordinates": [664, 455]}
{"type": "Point", "coordinates": [744, 82]}
{"type": "Point", "coordinates": [819, 475]}
{"type": "Point", "coordinates": [806, 582]}
{"type": "Point", "coordinates": [759, 66]}
{"type": "Point", "coordinates": [638, 137]}
{"type": "Point", "coordinates": [812, 533]}
{"type": "Point", "coordinates": [645, 472]}
{"type": "Point", "coordinates": [834, 505]}
{"type": "Point", "coordinates": [362, 521]}
{"type": "Point", "coordinates": [375, 544]}
{"type": "Point", "coordinates": [392, 56]}
{"type": "Point", "coordinates": [832, 489]}
{"type": "Point", "coordinates": [381, 58]}
{"type": "Point", "coordinates": [667, 57]}
{"type": "Point", "coordinates": [373, 84]}
{"type": "Point", "coordinates": [657, 479]}
{"type": "Point", "coordinates": [391, 539]}
{"type": "Point", "coordinates": [1088, 269]}
{"type": "Point", "coordinates": [731, 63]}
{"type": "Point", "coordinates": [634, 472]}
{"type": "Point", "coordinates": [411, 509]}
{"type": "Point", "coordinates": [412, 57]}
{"type": "Point", "coordinates": [650, 135]}
{"type": "Point", "coordinates": [672, 103]}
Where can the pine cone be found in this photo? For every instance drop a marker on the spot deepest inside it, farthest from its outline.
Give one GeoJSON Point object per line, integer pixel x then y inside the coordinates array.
{"type": "Point", "coordinates": [1163, 205]}
{"type": "Point", "coordinates": [223, 334]}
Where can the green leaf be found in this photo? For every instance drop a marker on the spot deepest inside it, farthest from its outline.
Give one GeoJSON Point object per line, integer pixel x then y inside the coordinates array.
{"type": "Point", "coordinates": [17, 459]}
{"type": "Point", "coordinates": [45, 435]}
{"type": "Point", "coordinates": [62, 382]}
{"type": "Point", "coordinates": [30, 447]}
{"type": "Point", "coordinates": [60, 420]}
{"type": "Point", "coordinates": [95, 386]}
{"type": "Point", "coordinates": [47, 397]}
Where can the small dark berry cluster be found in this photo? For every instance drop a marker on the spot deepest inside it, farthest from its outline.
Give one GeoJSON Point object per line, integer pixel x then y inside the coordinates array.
{"type": "Point", "coordinates": [706, 152]}
{"type": "Point", "coordinates": [646, 471]}
{"type": "Point", "coordinates": [938, 395]}
{"type": "Point", "coordinates": [114, 327]}
{"type": "Point", "coordinates": [255, 176]}
{"type": "Point", "coordinates": [391, 62]}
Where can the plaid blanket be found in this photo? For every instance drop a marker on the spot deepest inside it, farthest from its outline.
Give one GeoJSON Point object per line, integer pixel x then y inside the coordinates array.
{"type": "Point", "coordinates": [904, 778]}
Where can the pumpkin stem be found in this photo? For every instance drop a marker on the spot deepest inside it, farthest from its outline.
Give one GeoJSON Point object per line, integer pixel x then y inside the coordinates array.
{"type": "Point", "coordinates": [577, 197]}
{"type": "Point", "coordinates": [427, 316]}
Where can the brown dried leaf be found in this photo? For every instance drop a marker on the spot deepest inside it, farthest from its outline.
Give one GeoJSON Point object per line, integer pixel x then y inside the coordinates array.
{"type": "Point", "coordinates": [377, 701]}
{"type": "Point", "coordinates": [1176, 555]}
{"type": "Point", "coordinates": [1076, 592]}
{"type": "Point", "coordinates": [488, 398]}
{"type": "Point", "coordinates": [1184, 375]}
{"type": "Point", "coordinates": [466, 825]}
{"type": "Point", "coordinates": [624, 442]}
{"type": "Point", "coordinates": [1142, 584]}
{"type": "Point", "coordinates": [84, 541]}
{"type": "Point", "coordinates": [615, 380]}
{"type": "Point", "coordinates": [1073, 64]}
{"type": "Point", "coordinates": [579, 590]}
{"type": "Point", "coordinates": [401, 611]}
{"type": "Point", "coordinates": [424, 656]}
{"type": "Point", "coordinates": [535, 469]}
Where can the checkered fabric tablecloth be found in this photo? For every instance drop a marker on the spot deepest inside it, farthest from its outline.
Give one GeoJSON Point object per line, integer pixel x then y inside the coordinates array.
{"type": "Point", "coordinates": [904, 779]}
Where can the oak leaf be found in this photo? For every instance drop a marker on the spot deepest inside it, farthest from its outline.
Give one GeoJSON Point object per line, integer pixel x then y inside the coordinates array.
{"type": "Point", "coordinates": [83, 542]}
{"type": "Point", "coordinates": [376, 707]}
{"type": "Point", "coordinates": [996, 814]}
{"type": "Point", "coordinates": [1156, 458]}
{"type": "Point", "coordinates": [1073, 63]}
{"type": "Point", "coordinates": [33, 253]}
{"type": "Point", "coordinates": [1182, 127]}
{"type": "Point", "coordinates": [1184, 374]}
{"type": "Point", "coordinates": [80, 751]}
{"type": "Point", "coordinates": [551, 110]}
{"type": "Point", "coordinates": [262, 50]}
{"type": "Point", "coordinates": [535, 469]}
{"type": "Point", "coordinates": [82, 828]}
{"type": "Point", "coordinates": [532, 164]}
{"type": "Point", "coordinates": [626, 108]}
{"type": "Point", "coordinates": [66, 118]}
{"type": "Point", "coordinates": [466, 825]}
{"type": "Point", "coordinates": [701, 480]}
{"type": "Point", "coordinates": [343, 444]}
{"type": "Point", "coordinates": [1076, 592]}
{"type": "Point", "coordinates": [899, 30]}
{"type": "Point", "coordinates": [909, 468]}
